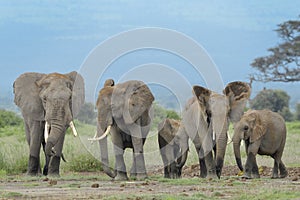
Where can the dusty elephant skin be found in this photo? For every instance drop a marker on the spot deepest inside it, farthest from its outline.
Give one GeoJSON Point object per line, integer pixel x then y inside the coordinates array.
{"type": "Point", "coordinates": [123, 110]}
{"type": "Point", "coordinates": [264, 133]}
{"type": "Point", "coordinates": [48, 103]}
{"type": "Point", "coordinates": [173, 147]}
{"type": "Point", "coordinates": [206, 120]}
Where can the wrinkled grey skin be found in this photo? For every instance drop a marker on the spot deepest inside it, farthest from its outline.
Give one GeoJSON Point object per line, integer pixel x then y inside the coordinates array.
{"type": "Point", "coordinates": [264, 133]}
{"type": "Point", "coordinates": [171, 144]}
{"type": "Point", "coordinates": [125, 107]}
{"type": "Point", "coordinates": [207, 113]}
{"type": "Point", "coordinates": [55, 98]}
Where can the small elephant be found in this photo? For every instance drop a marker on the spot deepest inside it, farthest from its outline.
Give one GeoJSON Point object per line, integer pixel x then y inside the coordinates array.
{"type": "Point", "coordinates": [123, 111]}
{"type": "Point", "coordinates": [48, 103]}
{"type": "Point", "coordinates": [206, 119]}
{"type": "Point", "coordinates": [173, 147]}
{"type": "Point", "coordinates": [264, 133]}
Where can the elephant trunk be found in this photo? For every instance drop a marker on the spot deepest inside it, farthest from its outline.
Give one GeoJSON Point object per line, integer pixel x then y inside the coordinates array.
{"type": "Point", "coordinates": [236, 148]}
{"type": "Point", "coordinates": [56, 132]}
{"type": "Point", "coordinates": [104, 155]}
{"type": "Point", "coordinates": [182, 159]}
{"type": "Point", "coordinates": [220, 153]}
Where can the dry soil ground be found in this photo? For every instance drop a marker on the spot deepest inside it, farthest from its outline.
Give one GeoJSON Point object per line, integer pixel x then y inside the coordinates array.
{"type": "Point", "coordinates": [98, 186]}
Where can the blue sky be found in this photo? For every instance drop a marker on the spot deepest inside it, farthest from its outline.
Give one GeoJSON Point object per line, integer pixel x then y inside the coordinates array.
{"type": "Point", "coordinates": [47, 36]}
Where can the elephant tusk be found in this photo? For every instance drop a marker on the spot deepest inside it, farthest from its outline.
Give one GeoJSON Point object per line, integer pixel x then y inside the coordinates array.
{"type": "Point", "coordinates": [229, 139]}
{"type": "Point", "coordinates": [73, 129]}
{"type": "Point", "coordinates": [46, 131]}
{"type": "Point", "coordinates": [214, 135]}
{"type": "Point", "coordinates": [102, 136]}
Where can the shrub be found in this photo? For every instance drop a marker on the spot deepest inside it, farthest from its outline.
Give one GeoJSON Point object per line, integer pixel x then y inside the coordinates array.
{"type": "Point", "coordinates": [9, 118]}
{"type": "Point", "coordinates": [275, 100]}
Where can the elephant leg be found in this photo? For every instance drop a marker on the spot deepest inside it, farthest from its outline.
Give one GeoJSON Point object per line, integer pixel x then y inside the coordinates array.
{"type": "Point", "coordinates": [275, 169]}
{"type": "Point", "coordinates": [251, 169]}
{"type": "Point", "coordinates": [139, 157]}
{"type": "Point", "coordinates": [255, 171]}
{"type": "Point", "coordinates": [120, 164]}
{"type": "Point", "coordinates": [54, 162]}
{"type": "Point", "coordinates": [210, 165]}
{"type": "Point", "coordinates": [133, 167]}
{"type": "Point", "coordinates": [278, 155]}
{"type": "Point", "coordinates": [203, 169]}
{"type": "Point", "coordinates": [120, 167]}
{"type": "Point", "coordinates": [163, 154]}
{"type": "Point", "coordinates": [36, 137]}
{"type": "Point", "coordinates": [173, 151]}
{"type": "Point", "coordinates": [279, 164]}
{"type": "Point", "coordinates": [283, 171]}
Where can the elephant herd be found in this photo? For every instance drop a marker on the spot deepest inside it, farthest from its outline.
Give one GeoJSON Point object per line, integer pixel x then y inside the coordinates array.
{"type": "Point", "coordinates": [49, 103]}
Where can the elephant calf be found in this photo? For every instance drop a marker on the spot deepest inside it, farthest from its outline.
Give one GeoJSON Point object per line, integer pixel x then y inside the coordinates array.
{"type": "Point", "coordinates": [173, 145]}
{"type": "Point", "coordinates": [264, 133]}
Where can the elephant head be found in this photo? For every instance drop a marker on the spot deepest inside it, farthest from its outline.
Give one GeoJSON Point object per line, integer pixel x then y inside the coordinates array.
{"type": "Point", "coordinates": [54, 98]}
{"type": "Point", "coordinates": [218, 109]}
{"type": "Point", "coordinates": [250, 128]}
{"type": "Point", "coordinates": [121, 105]}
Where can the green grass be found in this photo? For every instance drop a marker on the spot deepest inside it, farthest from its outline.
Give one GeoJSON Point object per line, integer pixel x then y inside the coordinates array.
{"type": "Point", "coordinates": [81, 155]}
{"type": "Point", "coordinates": [267, 194]}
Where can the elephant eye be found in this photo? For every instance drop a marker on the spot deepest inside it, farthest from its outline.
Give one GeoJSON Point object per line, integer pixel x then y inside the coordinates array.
{"type": "Point", "coordinates": [246, 128]}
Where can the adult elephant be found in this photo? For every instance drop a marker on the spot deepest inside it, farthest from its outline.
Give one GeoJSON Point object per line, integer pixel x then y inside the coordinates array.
{"type": "Point", "coordinates": [173, 146]}
{"type": "Point", "coordinates": [48, 103]}
{"type": "Point", "coordinates": [123, 110]}
{"type": "Point", "coordinates": [264, 133]}
{"type": "Point", "coordinates": [206, 120]}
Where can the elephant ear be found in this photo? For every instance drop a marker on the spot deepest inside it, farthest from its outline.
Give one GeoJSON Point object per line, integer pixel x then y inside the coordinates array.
{"type": "Point", "coordinates": [202, 95]}
{"type": "Point", "coordinates": [164, 127]}
{"type": "Point", "coordinates": [104, 107]}
{"type": "Point", "coordinates": [26, 95]}
{"type": "Point", "coordinates": [259, 128]}
{"type": "Point", "coordinates": [238, 94]}
{"type": "Point", "coordinates": [78, 91]}
{"type": "Point", "coordinates": [138, 103]}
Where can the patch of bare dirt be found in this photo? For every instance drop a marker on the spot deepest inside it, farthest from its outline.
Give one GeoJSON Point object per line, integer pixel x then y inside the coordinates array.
{"type": "Point", "coordinates": [265, 172]}
{"type": "Point", "coordinates": [93, 188]}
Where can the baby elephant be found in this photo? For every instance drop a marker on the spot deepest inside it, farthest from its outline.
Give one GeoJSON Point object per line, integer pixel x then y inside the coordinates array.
{"type": "Point", "coordinates": [264, 133]}
{"type": "Point", "coordinates": [173, 145]}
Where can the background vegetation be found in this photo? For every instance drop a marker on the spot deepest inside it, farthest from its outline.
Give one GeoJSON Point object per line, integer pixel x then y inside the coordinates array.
{"type": "Point", "coordinates": [81, 155]}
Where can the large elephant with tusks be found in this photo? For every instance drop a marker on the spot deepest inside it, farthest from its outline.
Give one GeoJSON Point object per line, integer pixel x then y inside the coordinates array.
{"type": "Point", "coordinates": [48, 103]}
{"type": "Point", "coordinates": [123, 111]}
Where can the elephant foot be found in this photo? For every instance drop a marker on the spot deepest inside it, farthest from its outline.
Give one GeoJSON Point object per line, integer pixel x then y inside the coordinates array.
{"type": "Point", "coordinates": [274, 176]}
{"type": "Point", "coordinates": [212, 176]}
{"type": "Point", "coordinates": [246, 176]}
{"type": "Point", "coordinates": [283, 171]}
{"type": "Point", "coordinates": [255, 176]}
{"type": "Point", "coordinates": [121, 176]}
{"type": "Point", "coordinates": [174, 176]}
{"type": "Point", "coordinates": [33, 166]}
{"type": "Point", "coordinates": [167, 176]}
{"type": "Point", "coordinates": [54, 164]}
{"type": "Point", "coordinates": [284, 174]}
{"type": "Point", "coordinates": [141, 176]}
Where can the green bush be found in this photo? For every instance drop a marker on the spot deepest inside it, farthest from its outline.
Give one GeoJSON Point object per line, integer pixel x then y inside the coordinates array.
{"type": "Point", "coordinates": [297, 114]}
{"type": "Point", "coordinates": [9, 118]}
{"type": "Point", "coordinates": [275, 100]}
{"type": "Point", "coordinates": [84, 163]}
{"type": "Point", "coordinates": [160, 113]}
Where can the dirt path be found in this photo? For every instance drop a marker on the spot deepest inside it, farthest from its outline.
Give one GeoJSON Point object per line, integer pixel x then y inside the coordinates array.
{"type": "Point", "coordinates": [97, 186]}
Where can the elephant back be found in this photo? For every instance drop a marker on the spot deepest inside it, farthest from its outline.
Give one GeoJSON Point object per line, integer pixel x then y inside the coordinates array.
{"type": "Point", "coordinates": [26, 95]}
